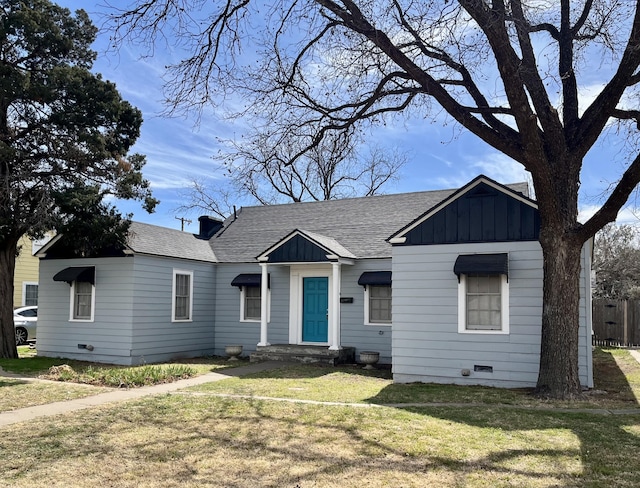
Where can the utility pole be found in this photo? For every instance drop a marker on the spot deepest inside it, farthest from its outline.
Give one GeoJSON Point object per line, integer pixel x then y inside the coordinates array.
{"type": "Point", "coordinates": [182, 221]}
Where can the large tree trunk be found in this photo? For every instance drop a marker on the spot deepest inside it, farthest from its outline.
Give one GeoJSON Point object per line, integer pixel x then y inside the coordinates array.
{"type": "Point", "coordinates": [558, 376]}
{"type": "Point", "coordinates": [8, 250]}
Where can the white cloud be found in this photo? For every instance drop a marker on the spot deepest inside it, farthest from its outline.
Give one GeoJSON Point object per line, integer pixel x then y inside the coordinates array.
{"type": "Point", "coordinates": [628, 215]}
{"type": "Point", "coordinates": [495, 165]}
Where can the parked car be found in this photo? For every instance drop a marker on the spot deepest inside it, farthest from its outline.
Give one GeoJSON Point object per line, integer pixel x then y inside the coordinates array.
{"type": "Point", "coordinates": [25, 321]}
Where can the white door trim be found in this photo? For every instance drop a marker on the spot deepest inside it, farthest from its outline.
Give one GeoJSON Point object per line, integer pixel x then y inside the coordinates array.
{"type": "Point", "coordinates": [297, 272]}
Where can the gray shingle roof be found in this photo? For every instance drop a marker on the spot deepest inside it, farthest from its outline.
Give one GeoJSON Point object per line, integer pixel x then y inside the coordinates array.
{"type": "Point", "coordinates": [360, 225]}
{"type": "Point", "coordinates": [353, 227]}
{"type": "Point", "coordinates": [161, 241]}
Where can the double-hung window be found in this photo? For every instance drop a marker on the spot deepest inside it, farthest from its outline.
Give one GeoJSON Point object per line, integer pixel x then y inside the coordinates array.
{"type": "Point", "coordinates": [82, 300]}
{"type": "Point", "coordinates": [483, 293]}
{"type": "Point", "coordinates": [182, 296]}
{"type": "Point", "coordinates": [378, 303]}
{"type": "Point", "coordinates": [29, 294]}
{"type": "Point", "coordinates": [251, 303]}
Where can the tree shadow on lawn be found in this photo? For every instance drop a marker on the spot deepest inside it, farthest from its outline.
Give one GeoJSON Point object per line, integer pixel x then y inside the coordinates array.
{"type": "Point", "coordinates": [176, 441]}
{"type": "Point", "coordinates": [609, 443]}
{"type": "Point", "coordinates": [8, 382]}
{"type": "Point", "coordinates": [257, 443]}
{"type": "Point", "coordinates": [616, 375]}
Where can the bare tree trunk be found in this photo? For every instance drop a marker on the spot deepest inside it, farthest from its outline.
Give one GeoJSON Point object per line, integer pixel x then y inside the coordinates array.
{"type": "Point", "coordinates": [558, 375]}
{"type": "Point", "coordinates": [8, 250]}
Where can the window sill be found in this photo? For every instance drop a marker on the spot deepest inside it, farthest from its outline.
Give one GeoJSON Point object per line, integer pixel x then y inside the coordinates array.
{"type": "Point", "coordinates": [484, 332]}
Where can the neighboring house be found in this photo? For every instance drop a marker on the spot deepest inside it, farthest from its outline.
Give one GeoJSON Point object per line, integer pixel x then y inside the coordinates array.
{"type": "Point", "coordinates": [445, 285]}
{"type": "Point", "coordinates": [25, 281]}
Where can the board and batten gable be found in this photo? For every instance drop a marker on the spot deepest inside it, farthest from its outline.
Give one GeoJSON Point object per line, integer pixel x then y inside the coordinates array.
{"type": "Point", "coordinates": [483, 211]}
{"type": "Point", "coordinates": [156, 337]}
{"type": "Point", "coordinates": [427, 344]}
{"type": "Point", "coordinates": [110, 333]}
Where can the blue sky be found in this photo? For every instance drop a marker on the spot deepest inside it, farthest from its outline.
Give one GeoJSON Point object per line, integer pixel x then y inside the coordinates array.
{"type": "Point", "coordinates": [178, 149]}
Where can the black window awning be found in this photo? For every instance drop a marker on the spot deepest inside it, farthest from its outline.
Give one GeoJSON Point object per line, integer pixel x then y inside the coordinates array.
{"type": "Point", "coordinates": [486, 264]}
{"type": "Point", "coordinates": [250, 279]}
{"type": "Point", "coordinates": [77, 273]}
{"type": "Point", "coordinates": [375, 278]}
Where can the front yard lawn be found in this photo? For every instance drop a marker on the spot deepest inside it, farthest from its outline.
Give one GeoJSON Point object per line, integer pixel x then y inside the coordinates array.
{"type": "Point", "coordinates": [199, 441]}
{"type": "Point", "coordinates": [198, 438]}
{"type": "Point", "coordinates": [617, 386]}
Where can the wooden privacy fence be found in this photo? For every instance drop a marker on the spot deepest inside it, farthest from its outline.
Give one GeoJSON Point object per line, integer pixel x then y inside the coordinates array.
{"type": "Point", "coordinates": [616, 323]}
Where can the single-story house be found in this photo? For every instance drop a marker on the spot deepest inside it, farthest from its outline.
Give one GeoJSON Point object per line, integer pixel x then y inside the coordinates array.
{"type": "Point", "coordinates": [445, 285]}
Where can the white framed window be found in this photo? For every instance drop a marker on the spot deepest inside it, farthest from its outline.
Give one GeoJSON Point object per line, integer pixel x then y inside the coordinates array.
{"type": "Point", "coordinates": [483, 304]}
{"type": "Point", "coordinates": [182, 296]}
{"type": "Point", "coordinates": [377, 305]}
{"type": "Point", "coordinates": [82, 301]}
{"type": "Point", "coordinates": [29, 293]}
{"type": "Point", "coordinates": [251, 303]}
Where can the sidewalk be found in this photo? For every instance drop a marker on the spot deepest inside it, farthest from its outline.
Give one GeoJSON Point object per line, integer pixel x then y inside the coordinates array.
{"type": "Point", "coordinates": [119, 395]}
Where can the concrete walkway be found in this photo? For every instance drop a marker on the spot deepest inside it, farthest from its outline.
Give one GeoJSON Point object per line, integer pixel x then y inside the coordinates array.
{"type": "Point", "coordinates": [119, 395]}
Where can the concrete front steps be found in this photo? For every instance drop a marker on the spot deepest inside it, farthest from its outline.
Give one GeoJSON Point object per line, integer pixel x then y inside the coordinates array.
{"type": "Point", "coordinates": [304, 354]}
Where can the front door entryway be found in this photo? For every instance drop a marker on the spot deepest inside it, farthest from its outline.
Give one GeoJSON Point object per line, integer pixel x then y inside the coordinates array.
{"type": "Point", "coordinates": [315, 309]}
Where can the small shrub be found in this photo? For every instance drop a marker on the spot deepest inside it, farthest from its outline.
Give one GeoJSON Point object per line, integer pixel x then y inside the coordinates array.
{"type": "Point", "coordinates": [121, 377]}
{"type": "Point", "coordinates": [63, 372]}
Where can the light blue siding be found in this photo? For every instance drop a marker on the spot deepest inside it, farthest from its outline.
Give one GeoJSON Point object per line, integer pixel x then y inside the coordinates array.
{"type": "Point", "coordinates": [132, 319]}
{"type": "Point", "coordinates": [156, 337]}
{"type": "Point", "coordinates": [426, 343]}
{"type": "Point", "coordinates": [110, 333]}
{"type": "Point", "coordinates": [354, 332]}
{"type": "Point", "coordinates": [229, 329]}
{"type": "Point", "coordinates": [133, 299]}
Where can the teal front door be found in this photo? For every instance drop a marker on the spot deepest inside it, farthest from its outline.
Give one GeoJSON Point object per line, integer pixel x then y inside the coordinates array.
{"type": "Point", "coordinates": [315, 309]}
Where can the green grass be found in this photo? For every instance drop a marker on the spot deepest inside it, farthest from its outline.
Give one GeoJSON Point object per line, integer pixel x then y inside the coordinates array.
{"type": "Point", "coordinates": [346, 384]}
{"type": "Point", "coordinates": [490, 439]}
{"type": "Point", "coordinates": [60, 369]}
{"type": "Point", "coordinates": [16, 394]}
{"type": "Point", "coordinates": [350, 384]}
{"type": "Point", "coordinates": [193, 441]}
{"type": "Point", "coordinates": [120, 377]}
{"type": "Point", "coordinates": [29, 364]}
